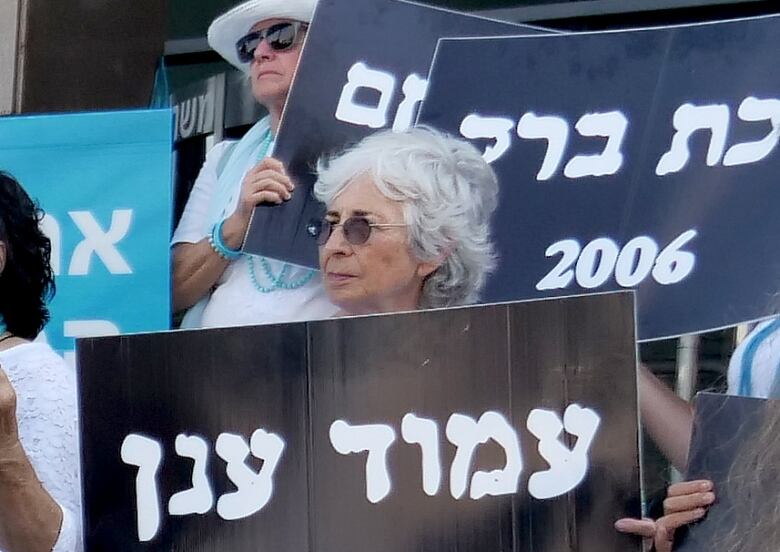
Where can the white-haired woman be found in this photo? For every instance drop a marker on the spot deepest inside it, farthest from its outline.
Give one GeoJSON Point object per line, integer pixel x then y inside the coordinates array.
{"type": "Point", "coordinates": [211, 277]}
{"type": "Point", "coordinates": [407, 223]}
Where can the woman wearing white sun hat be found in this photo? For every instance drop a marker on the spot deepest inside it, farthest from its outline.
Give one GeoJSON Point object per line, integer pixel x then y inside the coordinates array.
{"type": "Point", "coordinates": [211, 277]}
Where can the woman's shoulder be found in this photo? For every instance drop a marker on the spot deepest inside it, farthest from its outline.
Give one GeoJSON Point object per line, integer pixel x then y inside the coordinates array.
{"type": "Point", "coordinates": [36, 361]}
{"type": "Point", "coordinates": [759, 353]}
{"type": "Point", "coordinates": [766, 336]}
{"type": "Point", "coordinates": [31, 350]}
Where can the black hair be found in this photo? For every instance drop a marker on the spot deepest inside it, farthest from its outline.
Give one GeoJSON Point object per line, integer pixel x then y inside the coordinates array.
{"type": "Point", "coordinates": [26, 281]}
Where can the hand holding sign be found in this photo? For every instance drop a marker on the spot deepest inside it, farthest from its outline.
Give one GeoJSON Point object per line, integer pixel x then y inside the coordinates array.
{"type": "Point", "coordinates": [686, 503]}
{"type": "Point", "coordinates": [354, 77]}
{"type": "Point", "coordinates": [266, 183]}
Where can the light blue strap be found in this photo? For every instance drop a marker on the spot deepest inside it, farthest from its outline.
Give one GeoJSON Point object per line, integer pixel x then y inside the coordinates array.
{"type": "Point", "coordinates": [746, 375]}
{"type": "Point", "coordinates": [161, 93]}
{"type": "Point", "coordinates": [250, 148]}
{"type": "Point", "coordinates": [223, 161]}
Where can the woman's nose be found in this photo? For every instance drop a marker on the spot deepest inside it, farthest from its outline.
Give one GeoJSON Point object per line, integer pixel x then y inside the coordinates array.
{"type": "Point", "coordinates": [263, 50]}
{"type": "Point", "coordinates": [337, 241]}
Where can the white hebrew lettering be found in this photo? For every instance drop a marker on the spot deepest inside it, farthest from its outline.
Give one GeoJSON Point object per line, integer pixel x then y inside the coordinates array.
{"type": "Point", "coordinates": [194, 115]}
{"type": "Point", "coordinates": [146, 454]}
{"type": "Point", "coordinates": [376, 439]}
{"type": "Point", "coordinates": [101, 243]}
{"type": "Point", "coordinates": [611, 125]}
{"type": "Point", "coordinates": [202, 111]}
{"type": "Point", "coordinates": [425, 432]}
{"type": "Point", "coordinates": [553, 129]}
{"type": "Point", "coordinates": [567, 467]}
{"type": "Point", "coordinates": [206, 112]}
{"type": "Point", "coordinates": [466, 434]}
{"type": "Point", "coordinates": [689, 119]}
{"type": "Point", "coordinates": [754, 110]}
{"type": "Point", "coordinates": [254, 489]}
{"type": "Point", "coordinates": [188, 118]}
{"type": "Point", "coordinates": [87, 328]}
{"type": "Point", "coordinates": [200, 498]}
{"type": "Point", "coordinates": [414, 89]}
{"type": "Point", "coordinates": [360, 76]}
{"type": "Point", "coordinates": [51, 228]}
{"type": "Point", "coordinates": [499, 129]}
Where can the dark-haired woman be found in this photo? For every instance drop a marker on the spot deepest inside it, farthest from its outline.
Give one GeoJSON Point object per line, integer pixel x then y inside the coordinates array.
{"type": "Point", "coordinates": [39, 481]}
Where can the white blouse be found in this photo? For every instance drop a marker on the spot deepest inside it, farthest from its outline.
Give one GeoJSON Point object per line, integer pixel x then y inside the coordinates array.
{"type": "Point", "coordinates": [46, 413]}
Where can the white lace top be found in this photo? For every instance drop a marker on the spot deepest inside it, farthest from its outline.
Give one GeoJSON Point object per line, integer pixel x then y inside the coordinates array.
{"type": "Point", "coordinates": [46, 414]}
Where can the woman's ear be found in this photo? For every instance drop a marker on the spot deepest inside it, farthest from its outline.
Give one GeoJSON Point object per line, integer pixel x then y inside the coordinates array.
{"type": "Point", "coordinates": [425, 269]}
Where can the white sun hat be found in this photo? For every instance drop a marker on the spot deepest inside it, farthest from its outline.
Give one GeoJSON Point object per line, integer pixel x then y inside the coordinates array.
{"type": "Point", "coordinates": [229, 27]}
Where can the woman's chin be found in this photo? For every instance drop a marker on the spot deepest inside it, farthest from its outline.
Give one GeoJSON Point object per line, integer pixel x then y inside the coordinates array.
{"type": "Point", "coordinates": [348, 304]}
{"type": "Point", "coordinates": [267, 93]}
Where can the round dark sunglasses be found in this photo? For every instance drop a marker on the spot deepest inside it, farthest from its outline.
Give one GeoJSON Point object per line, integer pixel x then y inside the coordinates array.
{"type": "Point", "coordinates": [357, 230]}
{"type": "Point", "coordinates": [279, 37]}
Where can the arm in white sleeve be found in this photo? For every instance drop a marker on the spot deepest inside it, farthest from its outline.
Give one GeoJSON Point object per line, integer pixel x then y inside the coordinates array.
{"type": "Point", "coordinates": [47, 421]}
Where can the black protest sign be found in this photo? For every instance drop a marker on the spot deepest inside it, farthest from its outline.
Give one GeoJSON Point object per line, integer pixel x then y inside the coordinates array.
{"type": "Point", "coordinates": [479, 428]}
{"type": "Point", "coordinates": [363, 68]}
{"type": "Point", "coordinates": [735, 445]}
{"type": "Point", "coordinates": [628, 160]}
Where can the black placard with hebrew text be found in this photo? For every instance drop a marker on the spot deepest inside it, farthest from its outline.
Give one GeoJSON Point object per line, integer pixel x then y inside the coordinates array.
{"type": "Point", "coordinates": [643, 159]}
{"type": "Point", "coordinates": [363, 68]}
{"type": "Point", "coordinates": [470, 429]}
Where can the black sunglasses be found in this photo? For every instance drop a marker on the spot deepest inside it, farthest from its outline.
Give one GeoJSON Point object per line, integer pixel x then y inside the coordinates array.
{"type": "Point", "coordinates": [357, 230]}
{"type": "Point", "coordinates": [279, 37]}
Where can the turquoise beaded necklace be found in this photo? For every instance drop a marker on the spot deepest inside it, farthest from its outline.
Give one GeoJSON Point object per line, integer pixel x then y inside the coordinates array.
{"type": "Point", "coordinates": [279, 281]}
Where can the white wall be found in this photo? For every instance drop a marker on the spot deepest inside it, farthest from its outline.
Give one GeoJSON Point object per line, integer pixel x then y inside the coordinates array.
{"type": "Point", "coordinates": [9, 18]}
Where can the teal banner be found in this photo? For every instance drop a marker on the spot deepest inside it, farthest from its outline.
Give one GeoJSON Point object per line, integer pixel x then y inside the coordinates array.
{"type": "Point", "coordinates": [104, 181]}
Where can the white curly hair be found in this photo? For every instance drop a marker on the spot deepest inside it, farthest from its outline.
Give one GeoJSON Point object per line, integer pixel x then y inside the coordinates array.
{"type": "Point", "coordinates": [448, 193]}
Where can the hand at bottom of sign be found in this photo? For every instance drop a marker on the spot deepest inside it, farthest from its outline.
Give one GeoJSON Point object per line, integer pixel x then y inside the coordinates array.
{"type": "Point", "coordinates": [685, 503]}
